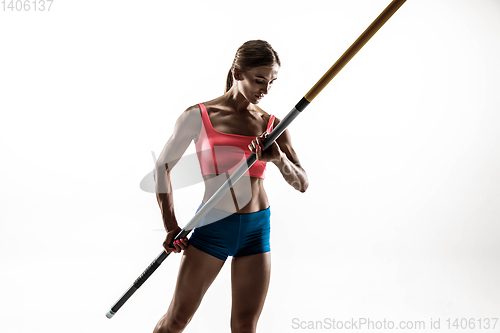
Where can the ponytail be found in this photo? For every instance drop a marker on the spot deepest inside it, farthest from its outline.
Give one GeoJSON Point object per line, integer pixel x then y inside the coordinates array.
{"type": "Point", "coordinates": [229, 80]}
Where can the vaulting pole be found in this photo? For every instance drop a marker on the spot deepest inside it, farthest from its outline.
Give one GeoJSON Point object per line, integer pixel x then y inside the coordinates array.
{"type": "Point", "coordinates": [301, 105]}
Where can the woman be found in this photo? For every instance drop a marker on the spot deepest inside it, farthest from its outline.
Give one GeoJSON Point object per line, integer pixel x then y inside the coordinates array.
{"type": "Point", "coordinates": [233, 120]}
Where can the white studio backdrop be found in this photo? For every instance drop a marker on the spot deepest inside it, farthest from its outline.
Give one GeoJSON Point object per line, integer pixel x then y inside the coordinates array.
{"type": "Point", "coordinates": [401, 218]}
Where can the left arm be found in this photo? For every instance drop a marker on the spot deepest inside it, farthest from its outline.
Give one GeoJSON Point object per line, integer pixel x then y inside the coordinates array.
{"type": "Point", "coordinates": [282, 154]}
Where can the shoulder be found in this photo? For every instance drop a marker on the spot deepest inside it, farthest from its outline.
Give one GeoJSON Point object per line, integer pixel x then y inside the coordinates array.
{"type": "Point", "coordinates": [192, 113]}
{"type": "Point", "coordinates": [192, 109]}
{"type": "Point", "coordinates": [190, 119]}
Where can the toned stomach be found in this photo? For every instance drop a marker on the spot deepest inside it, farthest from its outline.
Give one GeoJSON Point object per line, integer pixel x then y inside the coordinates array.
{"type": "Point", "coordinates": [246, 196]}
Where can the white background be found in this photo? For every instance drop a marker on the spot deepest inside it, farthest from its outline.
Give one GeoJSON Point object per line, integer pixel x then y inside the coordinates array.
{"type": "Point", "coordinates": [401, 218]}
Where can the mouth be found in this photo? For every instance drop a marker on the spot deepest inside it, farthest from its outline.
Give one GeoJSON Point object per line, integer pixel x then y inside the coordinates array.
{"type": "Point", "coordinates": [259, 97]}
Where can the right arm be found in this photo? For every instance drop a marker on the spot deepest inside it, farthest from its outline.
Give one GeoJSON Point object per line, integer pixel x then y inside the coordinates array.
{"type": "Point", "coordinates": [187, 128]}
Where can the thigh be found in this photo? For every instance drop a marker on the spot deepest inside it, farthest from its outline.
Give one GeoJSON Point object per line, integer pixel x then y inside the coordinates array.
{"type": "Point", "coordinates": [197, 271]}
{"type": "Point", "coordinates": [250, 276]}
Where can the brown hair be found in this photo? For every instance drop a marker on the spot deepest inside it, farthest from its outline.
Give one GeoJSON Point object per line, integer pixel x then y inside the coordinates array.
{"type": "Point", "coordinates": [251, 54]}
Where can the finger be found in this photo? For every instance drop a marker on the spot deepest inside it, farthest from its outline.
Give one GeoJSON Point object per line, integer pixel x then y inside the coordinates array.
{"type": "Point", "coordinates": [260, 142]}
{"type": "Point", "coordinates": [253, 146]}
{"type": "Point", "coordinates": [183, 243]}
{"type": "Point", "coordinates": [177, 245]}
{"type": "Point", "coordinates": [256, 143]}
{"type": "Point", "coordinates": [258, 152]}
{"type": "Point", "coordinates": [171, 249]}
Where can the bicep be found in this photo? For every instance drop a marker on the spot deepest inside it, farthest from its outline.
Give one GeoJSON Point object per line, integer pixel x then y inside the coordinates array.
{"type": "Point", "coordinates": [187, 127]}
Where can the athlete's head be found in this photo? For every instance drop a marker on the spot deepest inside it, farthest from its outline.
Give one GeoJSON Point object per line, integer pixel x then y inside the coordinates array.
{"type": "Point", "coordinates": [254, 69]}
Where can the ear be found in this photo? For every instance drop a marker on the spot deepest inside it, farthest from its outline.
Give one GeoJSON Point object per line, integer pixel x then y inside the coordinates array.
{"type": "Point", "coordinates": [237, 75]}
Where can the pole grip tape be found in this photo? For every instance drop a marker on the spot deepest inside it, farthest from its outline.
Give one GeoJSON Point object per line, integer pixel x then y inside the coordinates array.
{"type": "Point", "coordinates": [122, 301]}
{"type": "Point", "coordinates": [302, 104]}
{"type": "Point", "coordinates": [150, 269]}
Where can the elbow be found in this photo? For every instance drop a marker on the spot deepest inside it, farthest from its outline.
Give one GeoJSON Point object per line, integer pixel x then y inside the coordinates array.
{"type": "Point", "coordinates": [161, 167]}
{"type": "Point", "coordinates": [303, 186]}
{"type": "Point", "coordinates": [304, 183]}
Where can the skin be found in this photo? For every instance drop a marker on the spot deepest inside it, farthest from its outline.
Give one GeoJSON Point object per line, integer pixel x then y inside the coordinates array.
{"type": "Point", "coordinates": [235, 112]}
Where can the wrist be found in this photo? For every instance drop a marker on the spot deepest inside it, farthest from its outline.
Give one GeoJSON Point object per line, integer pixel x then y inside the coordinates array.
{"type": "Point", "coordinates": [175, 230]}
{"type": "Point", "coordinates": [170, 225]}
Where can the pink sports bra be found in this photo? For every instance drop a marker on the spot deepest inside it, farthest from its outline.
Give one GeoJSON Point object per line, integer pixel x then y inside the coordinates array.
{"type": "Point", "coordinates": [222, 153]}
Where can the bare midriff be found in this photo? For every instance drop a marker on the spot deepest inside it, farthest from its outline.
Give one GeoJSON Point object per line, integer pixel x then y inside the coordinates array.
{"type": "Point", "coordinates": [246, 196]}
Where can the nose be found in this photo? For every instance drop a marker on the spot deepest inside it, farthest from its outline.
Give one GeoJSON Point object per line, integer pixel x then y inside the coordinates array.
{"type": "Point", "coordinates": [266, 89]}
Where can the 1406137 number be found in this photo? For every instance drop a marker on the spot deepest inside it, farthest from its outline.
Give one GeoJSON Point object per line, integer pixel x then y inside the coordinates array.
{"type": "Point", "coordinates": [472, 323]}
{"type": "Point", "coordinates": [27, 5]}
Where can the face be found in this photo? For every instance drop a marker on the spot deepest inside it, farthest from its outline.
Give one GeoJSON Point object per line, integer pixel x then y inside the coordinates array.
{"type": "Point", "coordinates": [256, 83]}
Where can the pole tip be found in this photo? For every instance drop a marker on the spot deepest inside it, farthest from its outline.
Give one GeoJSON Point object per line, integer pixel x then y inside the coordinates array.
{"type": "Point", "coordinates": [110, 314]}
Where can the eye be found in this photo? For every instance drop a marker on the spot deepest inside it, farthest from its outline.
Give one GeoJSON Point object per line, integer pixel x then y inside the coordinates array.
{"type": "Point", "coordinates": [259, 82]}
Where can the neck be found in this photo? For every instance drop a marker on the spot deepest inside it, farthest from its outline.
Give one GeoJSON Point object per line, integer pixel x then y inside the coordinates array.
{"type": "Point", "coordinates": [236, 101]}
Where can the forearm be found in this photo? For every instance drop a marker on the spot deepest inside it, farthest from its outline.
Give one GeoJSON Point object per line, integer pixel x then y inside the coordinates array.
{"type": "Point", "coordinates": [165, 198]}
{"type": "Point", "coordinates": [293, 174]}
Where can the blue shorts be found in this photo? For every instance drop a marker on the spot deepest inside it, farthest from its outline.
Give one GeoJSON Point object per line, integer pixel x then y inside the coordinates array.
{"type": "Point", "coordinates": [234, 235]}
